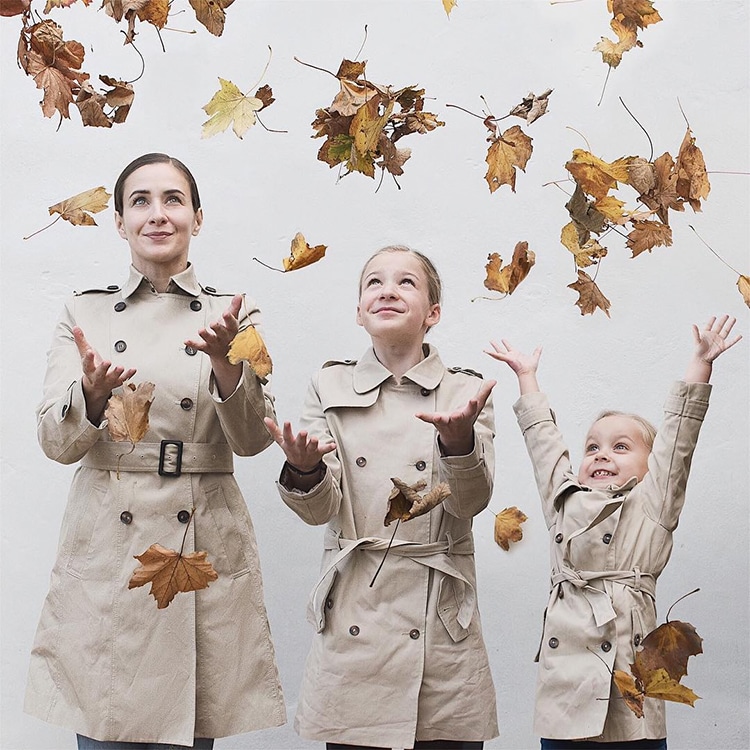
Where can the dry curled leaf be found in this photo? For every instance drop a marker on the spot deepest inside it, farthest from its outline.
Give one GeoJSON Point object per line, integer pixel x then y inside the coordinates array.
{"type": "Point", "coordinates": [61, 4]}
{"type": "Point", "coordinates": [104, 110]}
{"type": "Point", "coordinates": [127, 412]}
{"type": "Point", "coordinates": [743, 284]}
{"type": "Point", "coordinates": [589, 295]}
{"type": "Point", "coordinates": [507, 151]}
{"type": "Point", "coordinates": [248, 345]}
{"type": "Point", "coordinates": [506, 279]}
{"type": "Point", "coordinates": [449, 5]}
{"type": "Point", "coordinates": [596, 176]}
{"type": "Point", "coordinates": [647, 234]}
{"type": "Point", "coordinates": [78, 209]}
{"type": "Point", "coordinates": [405, 502]}
{"type": "Point", "coordinates": [302, 254]}
{"type": "Point", "coordinates": [508, 526]}
{"type": "Point", "coordinates": [229, 106]}
{"type": "Point", "coordinates": [586, 250]}
{"type": "Point", "coordinates": [532, 107]}
{"type": "Point", "coordinates": [13, 7]}
{"type": "Point", "coordinates": [692, 178]}
{"type": "Point", "coordinates": [211, 13]}
{"type": "Point", "coordinates": [627, 17]}
{"type": "Point", "coordinates": [170, 572]}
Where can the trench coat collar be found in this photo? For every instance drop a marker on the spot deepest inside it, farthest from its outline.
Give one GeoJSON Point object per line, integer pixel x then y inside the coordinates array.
{"type": "Point", "coordinates": [369, 373]}
{"type": "Point", "coordinates": [181, 283]}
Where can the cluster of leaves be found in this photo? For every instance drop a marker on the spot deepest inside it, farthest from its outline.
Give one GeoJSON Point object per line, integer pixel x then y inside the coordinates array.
{"type": "Point", "coordinates": [662, 185]}
{"type": "Point", "coordinates": [55, 64]}
{"type": "Point", "coordinates": [627, 17]}
{"type": "Point", "coordinates": [659, 665]}
{"type": "Point", "coordinates": [365, 121]}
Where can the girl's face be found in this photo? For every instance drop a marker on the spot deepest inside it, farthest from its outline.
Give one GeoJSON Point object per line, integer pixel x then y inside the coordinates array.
{"type": "Point", "coordinates": [157, 218]}
{"type": "Point", "coordinates": [394, 304]}
{"type": "Point", "coordinates": [615, 451]}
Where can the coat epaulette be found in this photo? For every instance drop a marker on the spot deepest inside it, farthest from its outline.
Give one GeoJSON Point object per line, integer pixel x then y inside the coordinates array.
{"type": "Point", "coordinates": [332, 362]}
{"type": "Point", "coordinates": [216, 293]}
{"type": "Point", "coordinates": [467, 371]}
{"type": "Point", "coordinates": [111, 289]}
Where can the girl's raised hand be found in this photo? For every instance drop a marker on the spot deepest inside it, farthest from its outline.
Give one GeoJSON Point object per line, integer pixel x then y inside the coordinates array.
{"type": "Point", "coordinates": [519, 362]}
{"type": "Point", "coordinates": [456, 429]}
{"type": "Point", "coordinates": [713, 339]}
{"type": "Point", "coordinates": [303, 452]}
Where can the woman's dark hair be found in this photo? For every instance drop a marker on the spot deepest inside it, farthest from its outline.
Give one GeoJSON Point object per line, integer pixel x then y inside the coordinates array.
{"type": "Point", "coordinates": [155, 158]}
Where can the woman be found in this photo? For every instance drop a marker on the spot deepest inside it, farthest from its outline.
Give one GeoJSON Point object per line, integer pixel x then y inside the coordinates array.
{"type": "Point", "coordinates": [107, 663]}
{"type": "Point", "coordinates": [398, 659]}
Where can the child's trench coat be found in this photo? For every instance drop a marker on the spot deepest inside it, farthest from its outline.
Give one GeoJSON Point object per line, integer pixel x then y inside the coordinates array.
{"type": "Point", "coordinates": [403, 659]}
{"type": "Point", "coordinates": [106, 662]}
{"type": "Point", "coordinates": [607, 548]}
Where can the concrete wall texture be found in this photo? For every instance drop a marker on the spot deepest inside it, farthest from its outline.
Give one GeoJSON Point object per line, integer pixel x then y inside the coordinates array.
{"type": "Point", "coordinates": [259, 191]}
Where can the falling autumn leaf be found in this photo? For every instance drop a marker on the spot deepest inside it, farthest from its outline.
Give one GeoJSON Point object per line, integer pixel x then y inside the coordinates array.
{"type": "Point", "coordinates": [303, 254]}
{"type": "Point", "coordinates": [646, 235]}
{"type": "Point", "coordinates": [596, 176]}
{"type": "Point", "coordinates": [506, 152]}
{"type": "Point", "coordinates": [61, 4]}
{"type": "Point", "coordinates": [78, 209]}
{"type": "Point", "coordinates": [532, 107]}
{"type": "Point", "coordinates": [13, 7]}
{"type": "Point", "coordinates": [627, 38]}
{"type": "Point", "coordinates": [506, 279]}
{"type": "Point", "coordinates": [449, 5]}
{"type": "Point", "coordinates": [640, 13]}
{"type": "Point", "coordinates": [589, 296]}
{"type": "Point", "coordinates": [211, 14]}
{"type": "Point", "coordinates": [170, 572]}
{"type": "Point", "coordinates": [229, 106]}
{"type": "Point", "coordinates": [248, 345]}
{"type": "Point", "coordinates": [586, 216]}
{"type": "Point", "coordinates": [586, 254]}
{"type": "Point", "coordinates": [405, 502]}
{"type": "Point", "coordinates": [743, 284]}
{"type": "Point", "coordinates": [104, 110]}
{"type": "Point", "coordinates": [508, 527]}
{"type": "Point", "coordinates": [127, 412]}
{"type": "Point", "coordinates": [692, 178]}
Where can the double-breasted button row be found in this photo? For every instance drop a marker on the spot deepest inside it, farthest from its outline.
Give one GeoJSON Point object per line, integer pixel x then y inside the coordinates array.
{"type": "Point", "coordinates": [420, 465]}
{"type": "Point", "coordinates": [127, 517]}
{"type": "Point", "coordinates": [120, 346]}
{"type": "Point", "coordinates": [558, 538]}
{"type": "Point", "coordinates": [553, 642]}
{"type": "Point", "coordinates": [605, 646]}
{"type": "Point", "coordinates": [329, 603]}
{"type": "Point", "coordinates": [190, 350]}
{"type": "Point", "coordinates": [120, 306]}
{"type": "Point", "coordinates": [425, 391]}
{"type": "Point", "coordinates": [195, 305]}
{"type": "Point", "coordinates": [186, 404]}
{"type": "Point", "coordinates": [361, 461]}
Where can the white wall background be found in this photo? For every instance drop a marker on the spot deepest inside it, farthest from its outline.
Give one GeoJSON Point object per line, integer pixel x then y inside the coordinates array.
{"type": "Point", "coordinates": [259, 191]}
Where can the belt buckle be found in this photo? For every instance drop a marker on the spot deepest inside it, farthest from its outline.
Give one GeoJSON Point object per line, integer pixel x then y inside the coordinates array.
{"type": "Point", "coordinates": [178, 458]}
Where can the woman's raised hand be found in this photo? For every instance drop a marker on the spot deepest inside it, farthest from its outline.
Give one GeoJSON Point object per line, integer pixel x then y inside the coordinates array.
{"type": "Point", "coordinates": [216, 339]}
{"type": "Point", "coordinates": [302, 451]}
{"type": "Point", "coordinates": [456, 429]}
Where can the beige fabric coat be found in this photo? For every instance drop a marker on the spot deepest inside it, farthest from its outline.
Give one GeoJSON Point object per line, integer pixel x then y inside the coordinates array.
{"type": "Point", "coordinates": [608, 547]}
{"type": "Point", "coordinates": [106, 662]}
{"type": "Point", "coordinates": [403, 659]}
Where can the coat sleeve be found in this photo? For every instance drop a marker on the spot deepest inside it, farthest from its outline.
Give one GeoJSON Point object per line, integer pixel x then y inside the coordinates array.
{"type": "Point", "coordinates": [321, 503]}
{"type": "Point", "coordinates": [663, 487]}
{"type": "Point", "coordinates": [241, 414]}
{"type": "Point", "coordinates": [63, 429]}
{"type": "Point", "coordinates": [547, 451]}
{"type": "Point", "coordinates": [470, 477]}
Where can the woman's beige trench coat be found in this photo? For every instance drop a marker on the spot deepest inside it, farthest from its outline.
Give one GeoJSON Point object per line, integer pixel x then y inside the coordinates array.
{"type": "Point", "coordinates": [608, 547]}
{"type": "Point", "coordinates": [403, 659]}
{"type": "Point", "coordinates": [106, 662]}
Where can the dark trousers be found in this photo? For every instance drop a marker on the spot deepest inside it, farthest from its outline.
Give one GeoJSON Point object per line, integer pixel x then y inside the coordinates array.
{"type": "Point", "coordinates": [584, 744]}
{"type": "Point", "coordinates": [418, 745]}
{"type": "Point", "coordinates": [86, 743]}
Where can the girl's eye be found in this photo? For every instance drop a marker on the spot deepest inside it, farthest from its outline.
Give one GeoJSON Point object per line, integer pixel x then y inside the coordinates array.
{"type": "Point", "coordinates": [621, 447]}
{"type": "Point", "coordinates": [592, 448]}
{"type": "Point", "coordinates": [373, 281]}
{"type": "Point", "coordinates": [407, 281]}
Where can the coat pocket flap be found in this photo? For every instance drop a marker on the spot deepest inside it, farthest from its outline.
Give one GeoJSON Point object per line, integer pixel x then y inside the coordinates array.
{"type": "Point", "coordinates": [449, 603]}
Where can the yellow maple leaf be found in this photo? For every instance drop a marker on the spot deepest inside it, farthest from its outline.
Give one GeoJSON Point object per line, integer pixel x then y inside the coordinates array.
{"type": "Point", "coordinates": [508, 527]}
{"type": "Point", "coordinates": [449, 5]}
{"type": "Point", "coordinates": [302, 254]}
{"type": "Point", "coordinates": [367, 126]}
{"type": "Point", "coordinates": [506, 279]}
{"type": "Point", "coordinates": [627, 38]}
{"type": "Point", "coordinates": [611, 207]}
{"type": "Point", "coordinates": [229, 106]}
{"type": "Point", "coordinates": [248, 345]}
{"type": "Point", "coordinates": [78, 208]}
{"type": "Point", "coordinates": [585, 255]}
{"type": "Point", "coordinates": [510, 150]}
{"type": "Point", "coordinates": [596, 176]}
{"type": "Point", "coordinates": [743, 284]}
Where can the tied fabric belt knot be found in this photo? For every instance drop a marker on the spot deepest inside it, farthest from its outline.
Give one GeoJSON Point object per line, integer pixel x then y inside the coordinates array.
{"type": "Point", "coordinates": [599, 599]}
{"type": "Point", "coordinates": [435, 555]}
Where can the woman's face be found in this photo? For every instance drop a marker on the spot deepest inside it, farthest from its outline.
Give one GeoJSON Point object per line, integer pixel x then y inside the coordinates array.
{"type": "Point", "coordinates": [158, 219]}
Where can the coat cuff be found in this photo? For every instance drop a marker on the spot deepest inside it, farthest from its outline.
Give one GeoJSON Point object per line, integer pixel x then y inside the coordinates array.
{"type": "Point", "coordinates": [688, 399]}
{"type": "Point", "coordinates": [532, 408]}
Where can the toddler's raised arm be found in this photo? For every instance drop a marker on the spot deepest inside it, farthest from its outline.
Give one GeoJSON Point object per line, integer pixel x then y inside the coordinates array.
{"type": "Point", "coordinates": [710, 341]}
{"type": "Point", "coordinates": [524, 365]}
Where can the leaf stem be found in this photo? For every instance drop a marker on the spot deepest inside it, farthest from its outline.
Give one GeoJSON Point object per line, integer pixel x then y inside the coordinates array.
{"type": "Point", "coordinates": [585, 140]}
{"type": "Point", "coordinates": [314, 67]}
{"type": "Point", "coordinates": [59, 216]}
{"type": "Point", "coordinates": [362, 46]}
{"type": "Point", "coordinates": [270, 130]}
{"type": "Point", "coordinates": [262, 75]}
{"type": "Point", "coordinates": [684, 596]}
{"type": "Point", "coordinates": [731, 268]}
{"type": "Point", "coordinates": [468, 112]}
{"type": "Point", "coordinates": [604, 87]}
{"type": "Point", "coordinates": [258, 260]}
{"type": "Point", "coordinates": [385, 554]}
{"type": "Point", "coordinates": [650, 142]}
{"type": "Point", "coordinates": [187, 526]}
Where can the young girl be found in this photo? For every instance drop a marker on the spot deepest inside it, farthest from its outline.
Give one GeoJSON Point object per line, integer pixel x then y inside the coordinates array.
{"type": "Point", "coordinates": [611, 536]}
{"type": "Point", "coordinates": [399, 663]}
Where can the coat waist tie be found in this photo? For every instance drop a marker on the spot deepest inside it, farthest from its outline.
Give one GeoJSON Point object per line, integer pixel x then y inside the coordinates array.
{"type": "Point", "coordinates": [600, 601]}
{"type": "Point", "coordinates": [435, 555]}
{"type": "Point", "coordinates": [195, 458]}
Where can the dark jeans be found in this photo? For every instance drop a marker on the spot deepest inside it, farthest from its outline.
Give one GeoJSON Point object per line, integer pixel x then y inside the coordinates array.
{"type": "Point", "coordinates": [583, 744]}
{"type": "Point", "coordinates": [418, 745]}
{"type": "Point", "coordinates": [86, 743]}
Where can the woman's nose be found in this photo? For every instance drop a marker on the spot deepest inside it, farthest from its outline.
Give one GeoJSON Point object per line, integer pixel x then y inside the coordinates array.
{"type": "Point", "coordinates": [158, 214]}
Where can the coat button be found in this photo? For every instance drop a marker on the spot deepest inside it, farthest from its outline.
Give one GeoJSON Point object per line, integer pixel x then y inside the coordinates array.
{"type": "Point", "coordinates": [126, 517]}
{"type": "Point", "coordinates": [414, 634]}
{"type": "Point", "coordinates": [354, 630]}
{"type": "Point", "coordinates": [183, 516]}
{"type": "Point", "coordinates": [196, 305]}
{"type": "Point", "coordinates": [120, 306]}
{"type": "Point", "coordinates": [329, 603]}
{"type": "Point", "coordinates": [191, 350]}
{"type": "Point", "coordinates": [361, 461]}
{"type": "Point", "coordinates": [113, 287]}
{"type": "Point", "coordinates": [607, 538]}
{"type": "Point", "coordinates": [425, 391]}
{"type": "Point", "coordinates": [553, 643]}
{"type": "Point", "coordinates": [420, 465]}
{"type": "Point", "coordinates": [606, 646]}
{"type": "Point", "coordinates": [558, 538]}
{"type": "Point", "coordinates": [186, 404]}
{"type": "Point", "coordinates": [637, 640]}
{"type": "Point", "coordinates": [120, 346]}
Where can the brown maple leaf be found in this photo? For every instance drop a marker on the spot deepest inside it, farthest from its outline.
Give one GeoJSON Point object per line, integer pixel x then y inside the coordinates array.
{"type": "Point", "coordinates": [663, 195]}
{"type": "Point", "coordinates": [584, 213]}
{"type": "Point", "coordinates": [405, 502]}
{"type": "Point", "coordinates": [93, 106]}
{"type": "Point", "coordinates": [586, 250]}
{"type": "Point", "coordinates": [353, 94]}
{"type": "Point", "coordinates": [507, 151]}
{"type": "Point", "coordinates": [60, 4]}
{"type": "Point", "coordinates": [302, 254]}
{"type": "Point", "coordinates": [596, 176]}
{"type": "Point", "coordinates": [211, 14]}
{"type": "Point", "coordinates": [127, 412]}
{"type": "Point", "coordinates": [506, 279]}
{"type": "Point", "coordinates": [532, 107]}
{"type": "Point", "coordinates": [641, 174]}
{"type": "Point", "coordinates": [692, 178]}
{"type": "Point", "coordinates": [589, 295]}
{"type": "Point", "coordinates": [78, 208]}
{"type": "Point", "coordinates": [646, 235]}
{"type": "Point", "coordinates": [170, 572]}
{"type": "Point", "coordinates": [508, 526]}
{"type": "Point", "coordinates": [13, 7]}
{"type": "Point", "coordinates": [248, 345]}
{"type": "Point", "coordinates": [393, 158]}
{"type": "Point", "coordinates": [640, 13]}
{"type": "Point", "coordinates": [743, 284]}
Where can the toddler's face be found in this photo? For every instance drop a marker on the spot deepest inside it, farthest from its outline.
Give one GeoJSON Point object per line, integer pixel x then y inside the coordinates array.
{"type": "Point", "coordinates": [614, 452]}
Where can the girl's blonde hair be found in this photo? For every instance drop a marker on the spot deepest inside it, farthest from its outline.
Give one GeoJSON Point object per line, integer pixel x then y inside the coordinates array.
{"type": "Point", "coordinates": [647, 429]}
{"type": "Point", "coordinates": [434, 284]}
